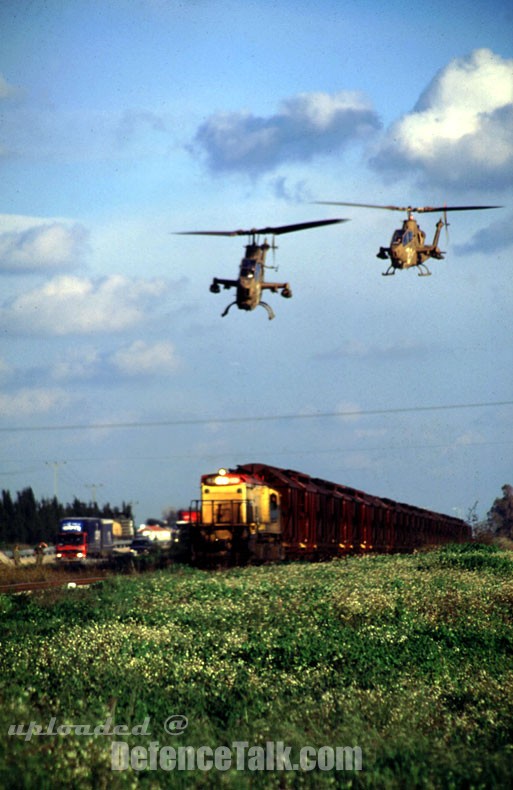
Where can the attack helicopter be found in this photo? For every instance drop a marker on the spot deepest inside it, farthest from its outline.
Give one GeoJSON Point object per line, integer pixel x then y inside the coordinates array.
{"type": "Point", "coordinates": [251, 281]}
{"type": "Point", "coordinates": [408, 246]}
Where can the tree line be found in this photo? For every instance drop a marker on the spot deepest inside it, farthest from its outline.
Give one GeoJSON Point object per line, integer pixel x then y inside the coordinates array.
{"type": "Point", "coordinates": [25, 520]}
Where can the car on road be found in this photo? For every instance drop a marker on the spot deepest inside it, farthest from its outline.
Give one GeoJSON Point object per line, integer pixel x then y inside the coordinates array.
{"type": "Point", "coordinates": [143, 546]}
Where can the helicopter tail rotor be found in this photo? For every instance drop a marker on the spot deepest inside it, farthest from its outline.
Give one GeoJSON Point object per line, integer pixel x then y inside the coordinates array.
{"type": "Point", "coordinates": [446, 224]}
{"type": "Point", "coordinates": [274, 247]}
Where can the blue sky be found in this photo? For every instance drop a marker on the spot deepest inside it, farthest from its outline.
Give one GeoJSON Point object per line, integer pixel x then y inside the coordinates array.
{"type": "Point", "coordinates": [124, 122]}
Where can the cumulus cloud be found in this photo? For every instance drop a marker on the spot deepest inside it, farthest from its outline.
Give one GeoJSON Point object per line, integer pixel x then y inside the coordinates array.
{"type": "Point", "coordinates": [69, 304]}
{"type": "Point", "coordinates": [305, 126]}
{"type": "Point", "coordinates": [459, 132]}
{"type": "Point", "coordinates": [43, 247]}
{"type": "Point", "coordinates": [138, 358]}
{"type": "Point", "coordinates": [142, 358]}
{"type": "Point", "coordinates": [32, 400]}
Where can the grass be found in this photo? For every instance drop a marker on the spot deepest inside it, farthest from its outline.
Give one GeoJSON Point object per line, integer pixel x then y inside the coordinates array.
{"type": "Point", "coordinates": [407, 657]}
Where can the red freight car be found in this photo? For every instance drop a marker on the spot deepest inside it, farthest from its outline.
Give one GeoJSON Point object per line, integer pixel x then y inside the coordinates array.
{"type": "Point", "coordinates": [257, 511]}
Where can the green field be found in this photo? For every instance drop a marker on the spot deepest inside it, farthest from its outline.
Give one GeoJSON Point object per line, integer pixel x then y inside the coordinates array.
{"type": "Point", "coordinates": [408, 658]}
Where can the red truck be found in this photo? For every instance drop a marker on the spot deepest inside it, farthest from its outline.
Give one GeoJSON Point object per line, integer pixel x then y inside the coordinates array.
{"type": "Point", "coordinates": [82, 537]}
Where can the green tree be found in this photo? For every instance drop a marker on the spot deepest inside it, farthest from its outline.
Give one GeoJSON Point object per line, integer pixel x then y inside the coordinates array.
{"type": "Point", "coordinates": [7, 519]}
{"type": "Point", "coordinates": [500, 515]}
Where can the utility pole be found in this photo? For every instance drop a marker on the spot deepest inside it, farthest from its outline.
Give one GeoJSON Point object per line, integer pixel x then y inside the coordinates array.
{"type": "Point", "coordinates": [93, 487]}
{"type": "Point", "coordinates": [55, 465]}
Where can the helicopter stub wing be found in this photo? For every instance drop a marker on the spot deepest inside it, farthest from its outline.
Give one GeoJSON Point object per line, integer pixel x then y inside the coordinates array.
{"type": "Point", "coordinates": [226, 283]}
{"type": "Point", "coordinates": [272, 286]}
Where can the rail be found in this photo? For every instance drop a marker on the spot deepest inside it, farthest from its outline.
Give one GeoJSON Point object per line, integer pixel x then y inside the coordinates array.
{"type": "Point", "coordinates": [31, 586]}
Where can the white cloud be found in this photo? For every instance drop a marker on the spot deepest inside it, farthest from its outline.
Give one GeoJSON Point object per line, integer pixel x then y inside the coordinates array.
{"type": "Point", "coordinates": [460, 129]}
{"type": "Point", "coordinates": [76, 363]}
{"type": "Point", "coordinates": [28, 401]}
{"type": "Point", "coordinates": [306, 125]}
{"type": "Point", "coordinates": [43, 247]}
{"type": "Point", "coordinates": [142, 358]}
{"type": "Point", "coordinates": [69, 304]}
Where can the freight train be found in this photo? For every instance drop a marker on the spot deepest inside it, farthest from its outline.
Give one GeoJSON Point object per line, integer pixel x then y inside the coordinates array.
{"type": "Point", "coordinates": [262, 513]}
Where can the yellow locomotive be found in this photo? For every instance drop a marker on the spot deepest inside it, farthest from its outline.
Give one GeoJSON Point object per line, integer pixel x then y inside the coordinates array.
{"type": "Point", "coordinates": [239, 518]}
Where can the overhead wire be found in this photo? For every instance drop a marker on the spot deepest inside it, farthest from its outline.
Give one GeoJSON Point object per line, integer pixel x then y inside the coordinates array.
{"type": "Point", "coordinates": [253, 419]}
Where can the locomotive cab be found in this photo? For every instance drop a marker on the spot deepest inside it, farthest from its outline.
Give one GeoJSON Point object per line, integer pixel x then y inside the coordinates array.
{"type": "Point", "coordinates": [239, 519]}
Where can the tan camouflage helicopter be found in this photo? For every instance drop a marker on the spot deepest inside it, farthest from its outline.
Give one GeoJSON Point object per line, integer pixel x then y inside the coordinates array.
{"type": "Point", "coordinates": [408, 246]}
{"type": "Point", "coordinates": [251, 281]}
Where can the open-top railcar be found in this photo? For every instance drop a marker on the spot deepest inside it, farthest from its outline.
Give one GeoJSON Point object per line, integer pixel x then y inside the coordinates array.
{"type": "Point", "coordinates": [261, 512]}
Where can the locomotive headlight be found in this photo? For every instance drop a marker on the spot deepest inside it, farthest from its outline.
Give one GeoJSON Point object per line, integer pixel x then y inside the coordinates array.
{"type": "Point", "coordinates": [221, 479]}
{"type": "Point", "coordinates": [79, 555]}
{"type": "Point", "coordinates": [59, 555]}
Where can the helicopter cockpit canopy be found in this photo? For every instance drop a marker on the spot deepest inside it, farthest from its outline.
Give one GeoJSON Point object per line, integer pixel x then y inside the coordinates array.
{"type": "Point", "coordinates": [402, 237]}
{"type": "Point", "coordinates": [249, 268]}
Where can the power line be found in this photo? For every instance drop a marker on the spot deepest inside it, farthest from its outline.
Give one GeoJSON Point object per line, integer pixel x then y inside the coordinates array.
{"type": "Point", "coordinates": [253, 419]}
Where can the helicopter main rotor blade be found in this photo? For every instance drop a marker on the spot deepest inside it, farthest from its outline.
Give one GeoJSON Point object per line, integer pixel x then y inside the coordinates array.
{"type": "Point", "coordinates": [362, 205]}
{"type": "Point", "coordinates": [436, 209]}
{"type": "Point", "coordinates": [211, 233]}
{"type": "Point", "coordinates": [256, 231]}
{"type": "Point", "coordinates": [298, 226]}
{"type": "Point", "coordinates": [416, 209]}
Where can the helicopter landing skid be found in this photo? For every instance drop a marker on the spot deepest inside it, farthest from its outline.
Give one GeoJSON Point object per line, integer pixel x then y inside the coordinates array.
{"type": "Point", "coordinates": [422, 273]}
{"type": "Point", "coordinates": [227, 309]}
{"type": "Point", "coordinates": [270, 312]}
{"type": "Point", "coordinates": [389, 272]}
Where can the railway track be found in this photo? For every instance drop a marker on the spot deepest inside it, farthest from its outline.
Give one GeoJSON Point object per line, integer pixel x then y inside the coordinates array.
{"type": "Point", "coordinates": [33, 586]}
